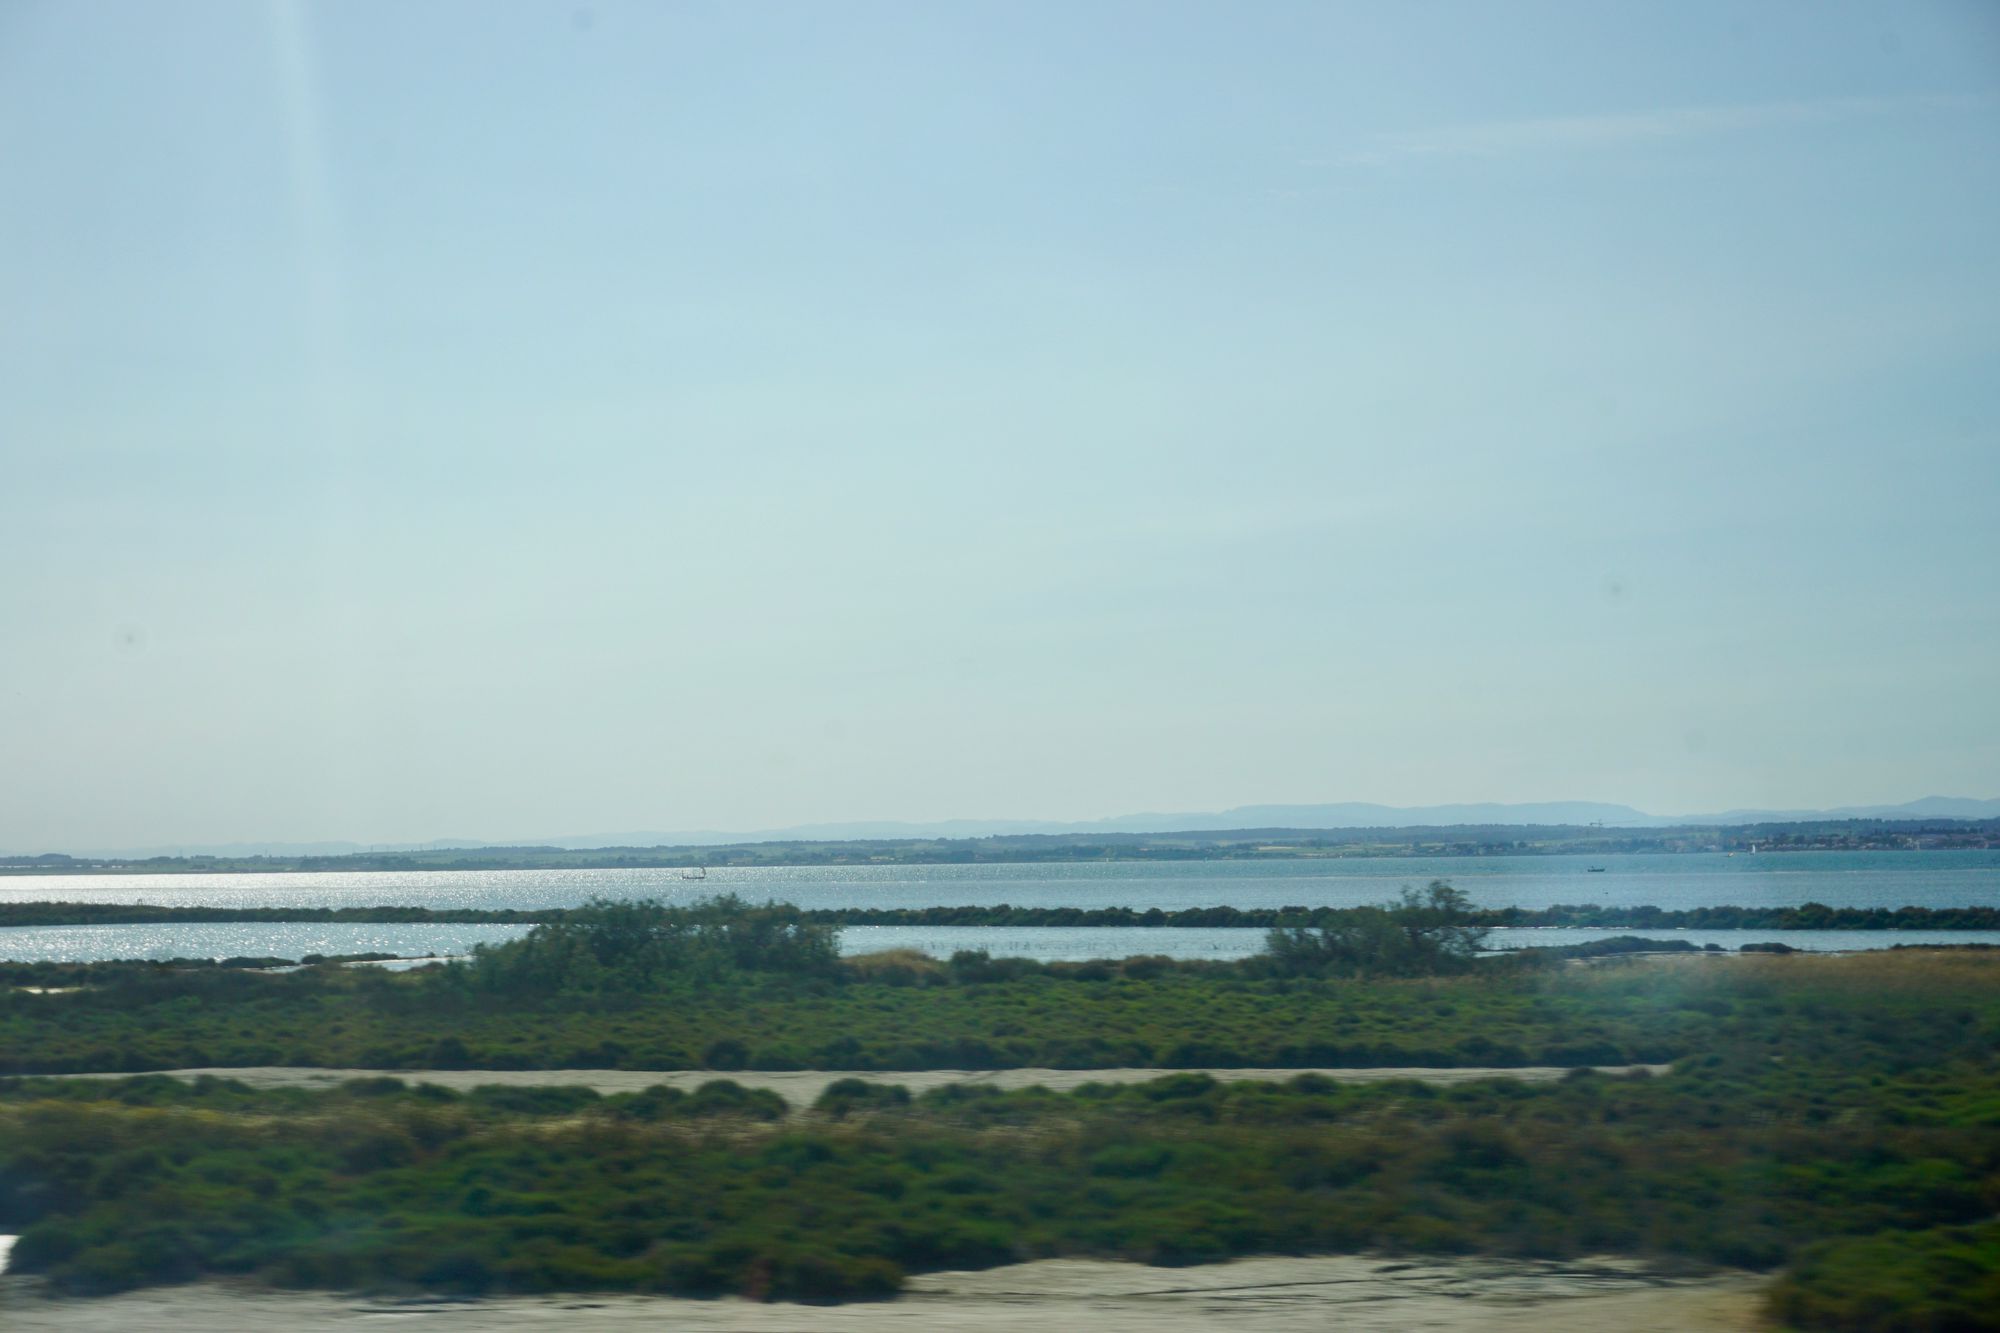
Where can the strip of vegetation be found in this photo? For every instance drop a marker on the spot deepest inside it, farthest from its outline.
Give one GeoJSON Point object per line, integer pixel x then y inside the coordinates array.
{"type": "Point", "coordinates": [1839, 1123]}
{"type": "Point", "coordinates": [1808, 916]}
{"type": "Point", "coordinates": [723, 985]}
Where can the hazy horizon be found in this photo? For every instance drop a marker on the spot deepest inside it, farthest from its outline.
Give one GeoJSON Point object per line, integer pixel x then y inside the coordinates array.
{"type": "Point", "coordinates": [1330, 816]}
{"type": "Point", "coordinates": [483, 421]}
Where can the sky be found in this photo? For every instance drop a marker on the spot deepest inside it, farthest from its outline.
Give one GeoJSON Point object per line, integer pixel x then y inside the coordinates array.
{"type": "Point", "coordinates": [459, 420]}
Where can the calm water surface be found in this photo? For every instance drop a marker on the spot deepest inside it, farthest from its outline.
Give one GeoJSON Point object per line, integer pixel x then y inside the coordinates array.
{"type": "Point", "coordinates": [292, 940]}
{"type": "Point", "coordinates": [1840, 879]}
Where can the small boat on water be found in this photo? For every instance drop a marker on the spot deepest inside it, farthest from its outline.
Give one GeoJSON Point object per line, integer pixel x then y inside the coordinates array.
{"type": "Point", "coordinates": [1593, 870]}
{"type": "Point", "coordinates": [699, 872]}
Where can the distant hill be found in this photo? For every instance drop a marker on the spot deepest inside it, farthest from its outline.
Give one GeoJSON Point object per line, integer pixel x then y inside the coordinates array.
{"type": "Point", "coordinates": [1929, 807]}
{"type": "Point", "coordinates": [1339, 815]}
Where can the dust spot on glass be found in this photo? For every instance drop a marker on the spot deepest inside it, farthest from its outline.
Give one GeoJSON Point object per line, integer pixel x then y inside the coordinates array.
{"type": "Point", "coordinates": [1614, 589]}
{"type": "Point", "coordinates": [583, 18]}
{"type": "Point", "coordinates": [129, 639]}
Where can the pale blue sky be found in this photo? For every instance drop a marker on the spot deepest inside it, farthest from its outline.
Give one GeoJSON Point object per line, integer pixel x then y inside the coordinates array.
{"type": "Point", "coordinates": [494, 420]}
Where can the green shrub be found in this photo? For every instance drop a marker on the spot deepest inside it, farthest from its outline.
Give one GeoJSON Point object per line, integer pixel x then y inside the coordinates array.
{"type": "Point", "coordinates": [613, 946]}
{"type": "Point", "coordinates": [843, 1097]}
{"type": "Point", "coordinates": [1422, 934]}
{"type": "Point", "coordinates": [1945, 1280]}
{"type": "Point", "coordinates": [726, 1097]}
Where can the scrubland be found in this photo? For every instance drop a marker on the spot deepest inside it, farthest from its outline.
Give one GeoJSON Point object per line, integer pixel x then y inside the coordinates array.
{"type": "Point", "coordinates": [1833, 1121]}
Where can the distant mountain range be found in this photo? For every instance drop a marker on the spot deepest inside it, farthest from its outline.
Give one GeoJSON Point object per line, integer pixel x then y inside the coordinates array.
{"type": "Point", "coordinates": [1341, 815]}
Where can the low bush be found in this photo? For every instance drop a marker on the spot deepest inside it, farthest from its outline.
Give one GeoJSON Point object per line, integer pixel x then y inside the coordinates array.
{"type": "Point", "coordinates": [1431, 933]}
{"type": "Point", "coordinates": [1943, 1280]}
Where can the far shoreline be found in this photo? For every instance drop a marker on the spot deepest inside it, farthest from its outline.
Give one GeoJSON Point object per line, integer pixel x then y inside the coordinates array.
{"type": "Point", "coordinates": [1268, 845]}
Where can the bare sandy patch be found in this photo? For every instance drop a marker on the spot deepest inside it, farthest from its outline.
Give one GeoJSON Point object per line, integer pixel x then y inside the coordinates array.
{"type": "Point", "coordinates": [803, 1087]}
{"type": "Point", "coordinates": [1346, 1292]}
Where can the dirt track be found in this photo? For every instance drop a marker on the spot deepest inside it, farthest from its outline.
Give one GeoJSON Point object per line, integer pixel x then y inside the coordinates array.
{"type": "Point", "coordinates": [1349, 1293]}
{"type": "Point", "coordinates": [803, 1087]}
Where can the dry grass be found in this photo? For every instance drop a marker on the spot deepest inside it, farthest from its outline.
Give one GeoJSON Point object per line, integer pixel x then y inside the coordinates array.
{"type": "Point", "coordinates": [874, 966]}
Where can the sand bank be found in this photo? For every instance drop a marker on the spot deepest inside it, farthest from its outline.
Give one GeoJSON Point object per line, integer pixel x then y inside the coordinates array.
{"type": "Point", "coordinates": [1350, 1293]}
{"type": "Point", "coordinates": [803, 1087]}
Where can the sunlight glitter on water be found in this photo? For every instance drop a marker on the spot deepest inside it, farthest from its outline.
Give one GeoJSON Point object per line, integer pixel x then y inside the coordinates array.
{"type": "Point", "coordinates": [295, 940]}
{"type": "Point", "coordinates": [1839, 879]}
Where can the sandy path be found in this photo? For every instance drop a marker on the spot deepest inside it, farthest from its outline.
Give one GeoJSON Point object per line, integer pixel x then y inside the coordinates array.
{"type": "Point", "coordinates": [1349, 1292]}
{"type": "Point", "coordinates": [803, 1087]}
